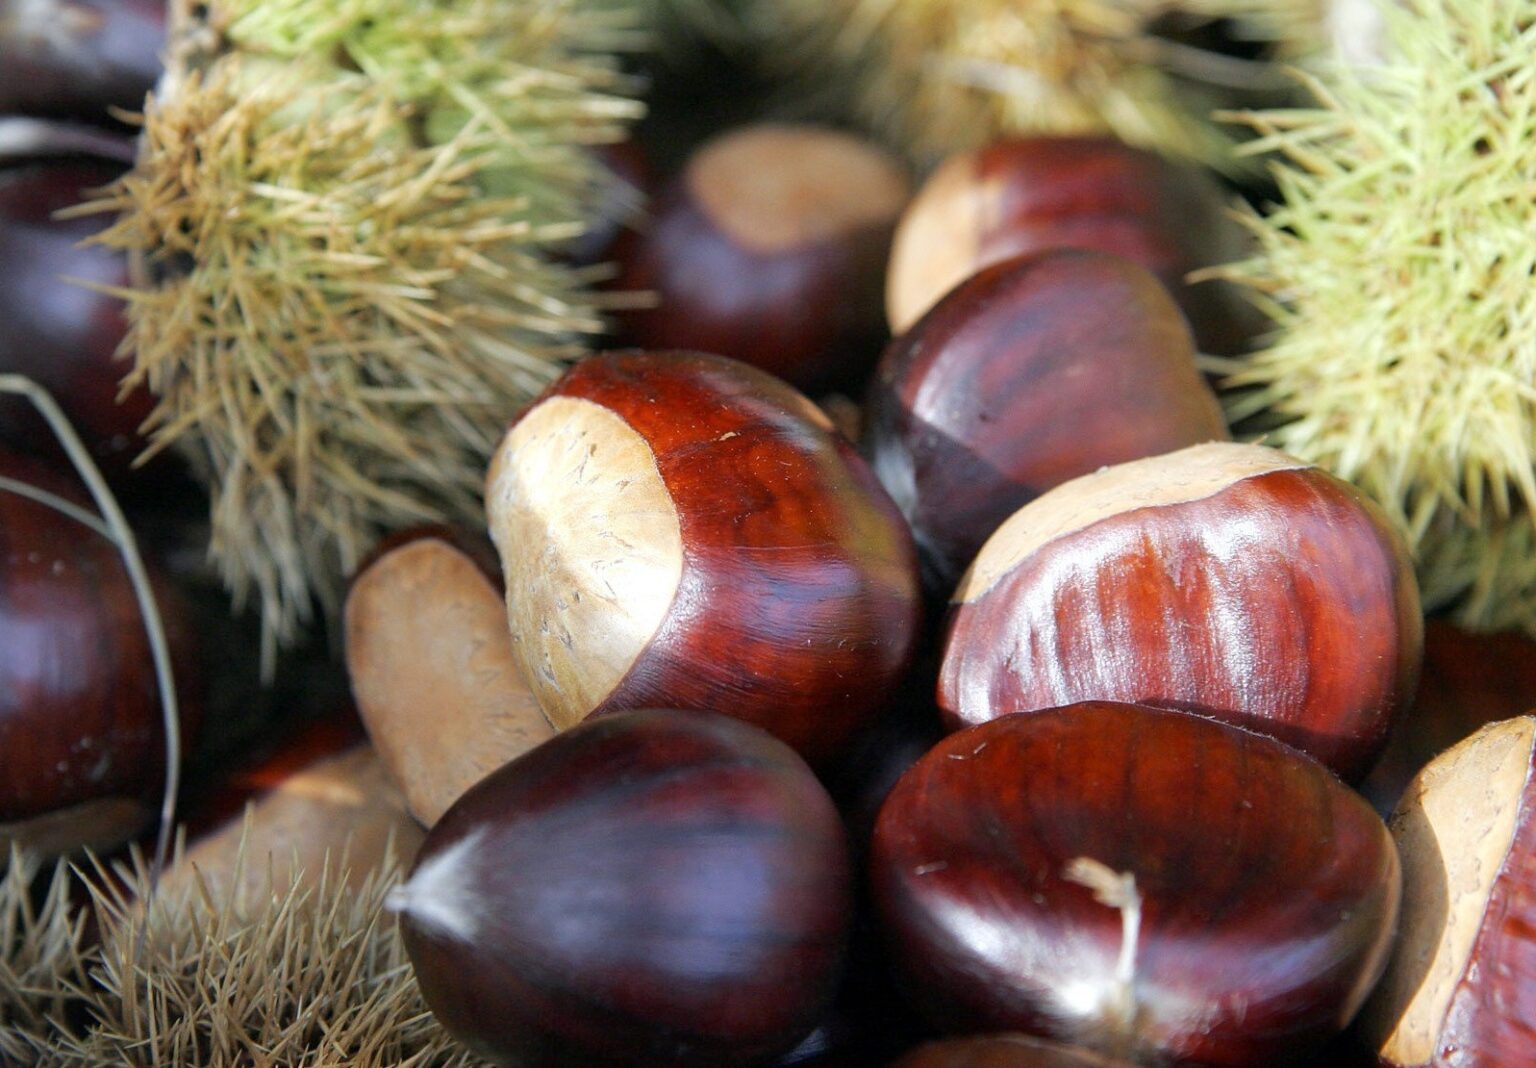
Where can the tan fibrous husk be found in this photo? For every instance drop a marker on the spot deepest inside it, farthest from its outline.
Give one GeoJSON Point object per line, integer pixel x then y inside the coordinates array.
{"type": "Point", "coordinates": [1398, 273]}
{"type": "Point", "coordinates": [340, 217]}
{"type": "Point", "coordinates": [941, 76]}
{"type": "Point", "coordinates": [313, 974]}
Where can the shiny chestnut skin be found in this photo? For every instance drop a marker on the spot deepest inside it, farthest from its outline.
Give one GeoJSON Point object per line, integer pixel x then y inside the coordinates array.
{"type": "Point", "coordinates": [82, 743]}
{"type": "Point", "coordinates": [1033, 193]}
{"type": "Point", "coordinates": [1461, 986]}
{"type": "Point", "coordinates": [770, 247]}
{"type": "Point", "coordinates": [649, 888]}
{"type": "Point", "coordinates": [1031, 372]}
{"type": "Point", "coordinates": [681, 530]}
{"type": "Point", "coordinates": [79, 57]}
{"type": "Point", "coordinates": [55, 331]}
{"type": "Point", "coordinates": [1226, 579]}
{"type": "Point", "coordinates": [1267, 890]}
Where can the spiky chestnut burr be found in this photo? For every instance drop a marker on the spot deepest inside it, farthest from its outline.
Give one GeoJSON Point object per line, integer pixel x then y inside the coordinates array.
{"type": "Point", "coordinates": [338, 217]}
{"type": "Point", "coordinates": [1151, 884]}
{"type": "Point", "coordinates": [1461, 985]}
{"type": "Point", "coordinates": [938, 76]}
{"type": "Point", "coordinates": [1397, 271]}
{"type": "Point", "coordinates": [647, 888]}
{"type": "Point", "coordinates": [1225, 579]}
{"type": "Point", "coordinates": [682, 530]}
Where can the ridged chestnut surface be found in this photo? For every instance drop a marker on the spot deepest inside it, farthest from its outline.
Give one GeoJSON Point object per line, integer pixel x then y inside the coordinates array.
{"type": "Point", "coordinates": [1461, 986]}
{"type": "Point", "coordinates": [1230, 580]}
{"type": "Point", "coordinates": [1028, 194]}
{"type": "Point", "coordinates": [1261, 909]}
{"type": "Point", "coordinates": [1031, 372]}
{"type": "Point", "coordinates": [650, 888]}
{"type": "Point", "coordinates": [680, 530]}
{"type": "Point", "coordinates": [770, 247]}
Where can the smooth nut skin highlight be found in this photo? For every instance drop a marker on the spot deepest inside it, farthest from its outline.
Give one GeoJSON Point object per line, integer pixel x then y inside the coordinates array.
{"type": "Point", "coordinates": [1461, 985]}
{"type": "Point", "coordinates": [1267, 890]}
{"type": "Point", "coordinates": [647, 888]}
{"type": "Point", "coordinates": [1031, 372]}
{"type": "Point", "coordinates": [1029, 194]}
{"type": "Point", "coordinates": [687, 531]}
{"type": "Point", "coordinates": [1225, 579]}
{"type": "Point", "coordinates": [770, 248]}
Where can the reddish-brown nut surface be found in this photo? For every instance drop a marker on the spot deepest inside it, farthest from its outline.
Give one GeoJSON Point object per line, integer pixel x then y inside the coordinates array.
{"type": "Point", "coordinates": [1034, 193]}
{"type": "Point", "coordinates": [79, 57]}
{"type": "Point", "coordinates": [82, 743]}
{"type": "Point", "coordinates": [1031, 372]}
{"type": "Point", "coordinates": [770, 247]}
{"type": "Point", "coordinates": [1265, 890]}
{"type": "Point", "coordinates": [54, 330]}
{"type": "Point", "coordinates": [432, 671]}
{"type": "Point", "coordinates": [647, 888]}
{"type": "Point", "coordinates": [1461, 985]}
{"type": "Point", "coordinates": [1225, 579]}
{"type": "Point", "coordinates": [680, 530]}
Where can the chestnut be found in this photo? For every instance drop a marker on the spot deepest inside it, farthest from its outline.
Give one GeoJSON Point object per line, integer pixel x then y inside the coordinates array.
{"type": "Point", "coordinates": [1003, 1051]}
{"type": "Point", "coordinates": [1459, 989]}
{"type": "Point", "coordinates": [432, 670]}
{"type": "Point", "coordinates": [1226, 579]}
{"type": "Point", "coordinates": [82, 740]}
{"type": "Point", "coordinates": [770, 247]}
{"type": "Point", "coordinates": [56, 331]}
{"type": "Point", "coordinates": [1031, 372]}
{"type": "Point", "coordinates": [1028, 194]}
{"type": "Point", "coordinates": [655, 887]}
{"type": "Point", "coordinates": [682, 530]}
{"type": "Point", "coordinates": [1150, 884]}
{"type": "Point", "coordinates": [79, 57]}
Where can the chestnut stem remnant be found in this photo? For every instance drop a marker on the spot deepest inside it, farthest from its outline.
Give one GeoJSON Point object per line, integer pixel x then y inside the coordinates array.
{"type": "Point", "coordinates": [121, 535]}
{"type": "Point", "coordinates": [1118, 891]}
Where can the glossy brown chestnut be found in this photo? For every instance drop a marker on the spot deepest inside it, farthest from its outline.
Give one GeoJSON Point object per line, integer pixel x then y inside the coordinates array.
{"type": "Point", "coordinates": [432, 671]}
{"type": "Point", "coordinates": [656, 888]}
{"type": "Point", "coordinates": [1254, 895]}
{"type": "Point", "coordinates": [54, 330]}
{"type": "Point", "coordinates": [1468, 681]}
{"type": "Point", "coordinates": [82, 746]}
{"type": "Point", "coordinates": [1003, 1051]}
{"type": "Point", "coordinates": [680, 530]}
{"type": "Point", "coordinates": [1461, 985]}
{"type": "Point", "coordinates": [1225, 579]}
{"type": "Point", "coordinates": [79, 57]}
{"type": "Point", "coordinates": [1034, 193]}
{"type": "Point", "coordinates": [770, 247]}
{"type": "Point", "coordinates": [1031, 372]}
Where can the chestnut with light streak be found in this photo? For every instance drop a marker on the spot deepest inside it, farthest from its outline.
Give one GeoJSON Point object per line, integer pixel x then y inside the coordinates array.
{"type": "Point", "coordinates": [1153, 885]}
{"type": "Point", "coordinates": [1225, 579]}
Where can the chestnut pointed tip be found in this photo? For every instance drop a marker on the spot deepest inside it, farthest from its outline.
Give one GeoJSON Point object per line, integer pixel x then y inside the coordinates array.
{"type": "Point", "coordinates": [439, 896]}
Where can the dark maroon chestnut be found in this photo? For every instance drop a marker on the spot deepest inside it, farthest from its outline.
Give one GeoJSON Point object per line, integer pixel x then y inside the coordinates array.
{"type": "Point", "coordinates": [1033, 193]}
{"type": "Point", "coordinates": [79, 57]}
{"type": "Point", "coordinates": [1003, 1051]}
{"type": "Point", "coordinates": [626, 185]}
{"type": "Point", "coordinates": [770, 247]}
{"type": "Point", "coordinates": [1461, 985]}
{"type": "Point", "coordinates": [1031, 372]}
{"type": "Point", "coordinates": [649, 888]}
{"type": "Point", "coordinates": [57, 332]}
{"type": "Point", "coordinates": [1150, 884]}
{"type": "Point", "coordinates": [680, 530]}
{"type": "Point", "coordinates": [82, 743]}
{"type": "Point", "coordinates": [1229, 580]}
